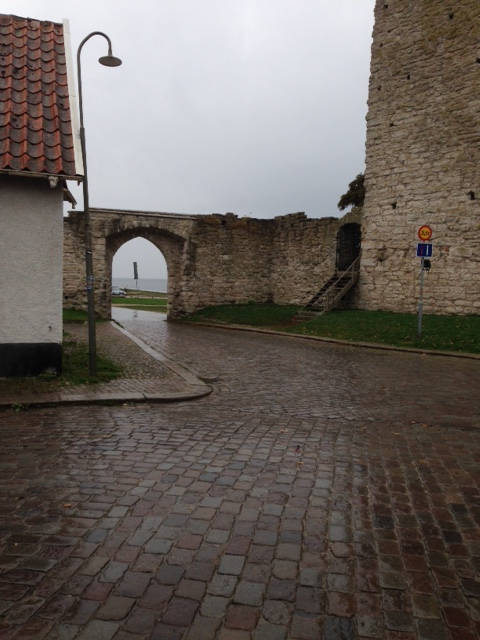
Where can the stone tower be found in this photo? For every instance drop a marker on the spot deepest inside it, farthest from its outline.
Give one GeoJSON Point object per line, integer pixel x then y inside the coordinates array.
{"type": "Point", "coordinates": [423, 156]}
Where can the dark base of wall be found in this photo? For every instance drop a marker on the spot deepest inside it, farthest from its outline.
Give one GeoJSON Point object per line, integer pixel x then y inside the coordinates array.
{"type": "Point", "coordinates": [29, 359]}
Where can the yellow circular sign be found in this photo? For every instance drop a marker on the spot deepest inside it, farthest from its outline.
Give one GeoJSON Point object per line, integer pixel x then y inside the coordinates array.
{"type": "Point", "coordinates": [425, 233]}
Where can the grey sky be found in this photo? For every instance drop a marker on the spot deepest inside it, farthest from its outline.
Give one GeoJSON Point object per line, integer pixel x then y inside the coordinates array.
{"type": "Point", "coordinates": [251, 106]}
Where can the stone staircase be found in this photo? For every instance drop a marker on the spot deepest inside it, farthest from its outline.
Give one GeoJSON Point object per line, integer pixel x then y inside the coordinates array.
{"type": "Point", "coordinates": [331, 292]}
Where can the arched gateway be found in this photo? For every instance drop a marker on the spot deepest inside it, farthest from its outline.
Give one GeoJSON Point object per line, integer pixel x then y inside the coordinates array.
{"type": "Point", "coordinates": [110, 229]}
{"type": "Point", "coordinates": [211, 259]}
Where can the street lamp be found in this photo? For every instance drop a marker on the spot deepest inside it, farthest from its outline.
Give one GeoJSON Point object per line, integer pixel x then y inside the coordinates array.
{"type": "Point", "coordinates": [108, 61]}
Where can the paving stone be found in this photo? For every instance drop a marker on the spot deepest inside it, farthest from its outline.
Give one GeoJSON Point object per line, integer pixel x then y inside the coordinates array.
{"type": "Point", "coordinates": [200, 571]}
{"type": "Point", "coordinates": [170, 574]}
{"type": "Point", "coordinates": [233, 634]}
{"type": "Point", "coordinates": [180, 612]}
{"type": "Point", "coordinates": [218, 536]}
{"type": "Point", "coordinates": [276, 612]}
{"type": "Point", "coordinates": [231, 564]}
{"type": "Point", "coordinates": [250, 593]}
{"type": "Point", "coordinates": [340, 604]}
{"type": "Point", "coordinates": [93, 566]}
{"type": "Point", "coordinates": [337, 628]}
{"type": "Point", "coordinates": [281, 590]}
{"type": "Point", "coordinates": [398, 621]}
{"type": "Point", "coordinates": [257, 572]}
{"type": "Point", "coordinates": [431, 630]}
{"type": "Point", "coordinates": [97, 590]}
{"type": "Point", "coordinates": [310, 577]}
{"type": "Point", "coordinates": [99, 630]}
{"type": "Point", "coordinates": [241, 617]}
{"type": "Point", "coordinates": [265, 537]}
{"type": "Point", "coordinates": [158, 545]}
{"type": "Point", "coordinates": [141, 621]}
{"type": "Point", "coordinates": [113, 571]}
{"type": "Point", "coordinates": [284, 569]}
{"type": "Point", "coordinates": [370, 627]}
{"type": "Point", "coordinates": [81, 612]}
{"type": "Point", "coordinates": [133, 584]}
{"type": "Point", "coordinates": [305, 627]}
{"type": "Point", "coordinates": [167, 632]}
{"type": "Point", "coordinates": [156, 596]}
{"type": "Point", "coordinates": [214, 606]}
{"type": "Point", "coordinates": [222, 585]}
{"type": "Point", "coordinates": [115, 608]}
{"type": "Point", "coordinates": [63, 632]}
{"type": "Point", "coordinates": [239, 545]}
{"type": "Point", "coordinates": [193, 589]}
{"type": "Point", "coordinates": [310, 600]}
{"type": "Point", "coordinates": [203, 628]}
{"type": "Point", "coordinates": [189, 541]}
{"type": "Point", "coordinates": [286, 551]}
{"type": "Point", "coordinates": [425, 606]}
{"type": "Point", "coordinates": [267, 631]}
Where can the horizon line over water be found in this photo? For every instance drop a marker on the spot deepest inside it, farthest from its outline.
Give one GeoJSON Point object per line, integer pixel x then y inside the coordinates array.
{"type": "Point", "coordinates": [144, 284]}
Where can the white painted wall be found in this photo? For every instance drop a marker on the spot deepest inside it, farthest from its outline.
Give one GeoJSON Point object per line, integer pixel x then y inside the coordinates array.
{"type": "Point", "coordinates": [31, 249]}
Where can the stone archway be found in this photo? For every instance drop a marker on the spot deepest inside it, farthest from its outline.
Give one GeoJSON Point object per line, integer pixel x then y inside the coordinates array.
{"type": "Point", "coordinates": [349, 238]}
{"type": "Point", "coordinates": [169, 245]}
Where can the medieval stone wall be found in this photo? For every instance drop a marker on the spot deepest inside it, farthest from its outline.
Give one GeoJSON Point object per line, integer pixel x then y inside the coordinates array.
{"type": "Point", "coordinates": [303, 256]}
{"type": "Point", "coordinates": [212, 259]}
{"type": "Point", "coordinates": [423, 156]}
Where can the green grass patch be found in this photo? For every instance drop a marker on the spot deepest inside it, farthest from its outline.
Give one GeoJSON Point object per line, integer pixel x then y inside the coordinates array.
{"type": "Point", "coordinates": [444, 333]}
{"type": "Point", "coordinates": [255, 314]}
{"type": "Point", "coordinates": [140, 307]}
{"type": "Point", "coordinates": [75, 365]}
{"type": "Point", "coordinates": [145, 294]}
{"type": "Point", "coordinates": [74, 315]}
{"type": "Point", "coordinates": [144, 302]}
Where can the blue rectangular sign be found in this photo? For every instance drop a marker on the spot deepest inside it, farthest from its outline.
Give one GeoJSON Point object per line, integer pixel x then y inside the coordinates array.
{"type": "Point", "coordinates": [424, 250]}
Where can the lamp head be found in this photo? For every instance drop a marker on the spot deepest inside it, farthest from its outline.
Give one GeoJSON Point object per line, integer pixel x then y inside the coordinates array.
{"type": "Point", "coordinates": [110, 61]}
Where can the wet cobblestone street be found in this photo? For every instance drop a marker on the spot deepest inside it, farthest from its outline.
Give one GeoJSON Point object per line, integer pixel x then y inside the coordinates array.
{"type": "Point", "coordinates": [320, 491]}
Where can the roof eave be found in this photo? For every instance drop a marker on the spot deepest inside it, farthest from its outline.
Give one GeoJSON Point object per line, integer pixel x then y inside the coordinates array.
{"type": "Point", "coordinates": [34, 174]}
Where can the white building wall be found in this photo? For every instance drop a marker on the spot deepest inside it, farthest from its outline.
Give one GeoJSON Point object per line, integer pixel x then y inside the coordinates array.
{"type": "Point", "coordinates": [31, 249]}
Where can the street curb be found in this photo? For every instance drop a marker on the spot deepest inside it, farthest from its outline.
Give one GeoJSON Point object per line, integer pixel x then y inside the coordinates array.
{"type": "Point", "coordinates": [197, 388]}
{"type": "Point", "coordinates": [188, 375]}
{"type": "Point", "coordinates": [348, 343]}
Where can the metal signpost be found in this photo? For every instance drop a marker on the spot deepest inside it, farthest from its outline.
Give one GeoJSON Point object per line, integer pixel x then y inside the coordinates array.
{"type": "Point", "coordinates": [424, 250]}
{"type": "Point", "coordinates": [135, 274]}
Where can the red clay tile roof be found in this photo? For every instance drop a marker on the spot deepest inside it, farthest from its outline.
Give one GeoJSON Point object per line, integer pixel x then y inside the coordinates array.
{"type": "Point", "coordinates": [35, 122]}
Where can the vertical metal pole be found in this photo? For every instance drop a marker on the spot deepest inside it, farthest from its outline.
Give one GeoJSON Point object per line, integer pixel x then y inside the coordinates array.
{"type": "Point", "coordinates": [92, 340]}
{"type": "Point", "coordinates": [420, 302]}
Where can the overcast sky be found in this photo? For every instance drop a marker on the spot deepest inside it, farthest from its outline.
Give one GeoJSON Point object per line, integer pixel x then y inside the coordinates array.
{"type": "Point", "coordinates": [251, 106]}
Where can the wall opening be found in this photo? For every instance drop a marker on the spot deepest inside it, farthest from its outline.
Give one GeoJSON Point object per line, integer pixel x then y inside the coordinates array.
{"type": "Point", "coordinates": [151, 287]}
{"type": "Point", "coordinates": [349, 238]}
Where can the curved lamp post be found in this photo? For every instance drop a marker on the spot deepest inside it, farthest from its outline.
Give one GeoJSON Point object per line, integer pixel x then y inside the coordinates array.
{"type": "Point", "coordinates": [108, 61]}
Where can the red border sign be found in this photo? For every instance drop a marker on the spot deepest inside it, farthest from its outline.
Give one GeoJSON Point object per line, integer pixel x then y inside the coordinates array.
{"type": "Point", "coordinates": [425, 233]}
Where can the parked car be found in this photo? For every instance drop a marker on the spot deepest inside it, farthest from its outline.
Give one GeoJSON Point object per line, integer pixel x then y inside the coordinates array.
{"type": "Point", "coordinates": [116, 291]}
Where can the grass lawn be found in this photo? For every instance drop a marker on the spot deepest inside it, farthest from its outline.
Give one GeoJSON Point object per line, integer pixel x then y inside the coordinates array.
{"type": "Point", "coordinates": [74, 315]}
{"type": "Point", "coordinates": [445, 333]}
{"type": "Point", "coordinates": [143, 304]}
{"type": "Point", "coordinates": [75, 365]}
{"type": "Point", "coordinates": [145, 294]}
{"type": "Point", "coordinates": [254, 314]}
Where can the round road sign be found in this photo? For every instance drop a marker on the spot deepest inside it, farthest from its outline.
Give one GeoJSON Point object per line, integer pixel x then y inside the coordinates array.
{"type": "Point", "coordinates": [425, 233]}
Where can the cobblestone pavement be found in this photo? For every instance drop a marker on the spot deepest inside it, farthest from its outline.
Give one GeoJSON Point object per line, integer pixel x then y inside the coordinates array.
{"type": "Point", "coordinates": [320, 492]}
